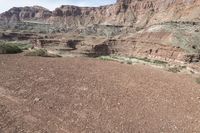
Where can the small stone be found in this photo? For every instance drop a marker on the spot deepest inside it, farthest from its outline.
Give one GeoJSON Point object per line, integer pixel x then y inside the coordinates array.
{"type": "Point", "coordinates": [37, 100]}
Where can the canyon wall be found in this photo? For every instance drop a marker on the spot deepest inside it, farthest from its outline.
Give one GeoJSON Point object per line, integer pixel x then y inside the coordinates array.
{"type": "Point", "coordinates": [123, 12]}
{"type": "Point", "coordinates": [165, 29]}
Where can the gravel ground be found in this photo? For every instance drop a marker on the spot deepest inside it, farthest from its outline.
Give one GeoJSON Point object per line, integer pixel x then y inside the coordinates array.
{"type": "Point", "coordinates": [74, 95]}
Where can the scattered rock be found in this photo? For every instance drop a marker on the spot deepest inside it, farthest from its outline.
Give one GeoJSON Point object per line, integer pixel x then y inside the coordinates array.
{"type": "Point", "coordinates": [37, 99]}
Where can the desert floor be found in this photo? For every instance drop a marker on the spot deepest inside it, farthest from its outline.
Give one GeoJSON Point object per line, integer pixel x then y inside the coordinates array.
{"type": "Point", "coordinates": [73, 95]}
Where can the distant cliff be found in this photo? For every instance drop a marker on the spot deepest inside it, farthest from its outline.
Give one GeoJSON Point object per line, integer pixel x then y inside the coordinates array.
{"type": "Point", "coordinates": [124, 12]}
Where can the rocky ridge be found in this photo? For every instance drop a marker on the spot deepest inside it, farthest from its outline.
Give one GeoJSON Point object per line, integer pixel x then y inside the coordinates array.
{"type": "Point", "coordinates": [123, 12]}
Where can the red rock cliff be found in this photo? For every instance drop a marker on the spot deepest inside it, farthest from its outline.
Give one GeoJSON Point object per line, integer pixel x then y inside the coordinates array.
{"type": "Point", "coordinates": [137, 13]}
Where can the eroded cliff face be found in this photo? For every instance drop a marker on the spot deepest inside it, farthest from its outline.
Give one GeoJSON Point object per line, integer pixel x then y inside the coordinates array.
{"type": "Point", "coordinates": [17, 14]}
{"type": "Point", "coordinates": [124, 12]}
{"type": "Point", "coordinates": [148, 12]}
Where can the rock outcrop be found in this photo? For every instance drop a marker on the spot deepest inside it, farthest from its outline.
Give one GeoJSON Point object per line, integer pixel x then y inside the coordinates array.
{"type": "Point", "coordinates": [130, 13]}
{"type": "Point", "coordinates": [124, 12]}
{"type": "Point", "coordinates": [17, 14]}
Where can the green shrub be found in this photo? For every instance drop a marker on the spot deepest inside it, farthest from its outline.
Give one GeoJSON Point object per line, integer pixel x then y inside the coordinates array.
{"type": "Point", "coordinates": [159, 62]}
{"type": "Point", "coordinates": [9, 48]}
{"type": "Point", "coordinates": [13, 47]}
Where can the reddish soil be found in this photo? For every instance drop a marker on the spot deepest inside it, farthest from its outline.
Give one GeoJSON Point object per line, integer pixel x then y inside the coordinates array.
{"type": "Point", "coordinates": [73, 95]}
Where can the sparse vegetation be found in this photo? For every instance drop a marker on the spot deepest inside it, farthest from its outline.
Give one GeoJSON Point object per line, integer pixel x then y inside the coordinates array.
{"type": "Point", "coordinates": [174, 69]}
{"type": "Point", "coordinates": [160, 62]}
{"type": "Point", "coordinates": [40, 52]}
{"type": "Point", "coordinates": [106, 58]}
{"type": "Point", "coordinates": [183, 67]}
{"type": "Point", "coordinates": [131, 60]}
{"type": "Point", "coordinates": [145, 59]}
{"type": "Point", "coordinates": [37, 52]}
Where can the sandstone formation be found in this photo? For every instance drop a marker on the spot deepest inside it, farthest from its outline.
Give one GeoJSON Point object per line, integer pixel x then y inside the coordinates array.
{"type": "Point", "coordinates": [124, 12]}
{"type": "Point", "coordinates": [17, 14]}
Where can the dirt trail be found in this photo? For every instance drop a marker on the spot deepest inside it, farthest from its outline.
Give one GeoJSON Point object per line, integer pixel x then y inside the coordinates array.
{"type": "Point", "coordinates": [86, 95]}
